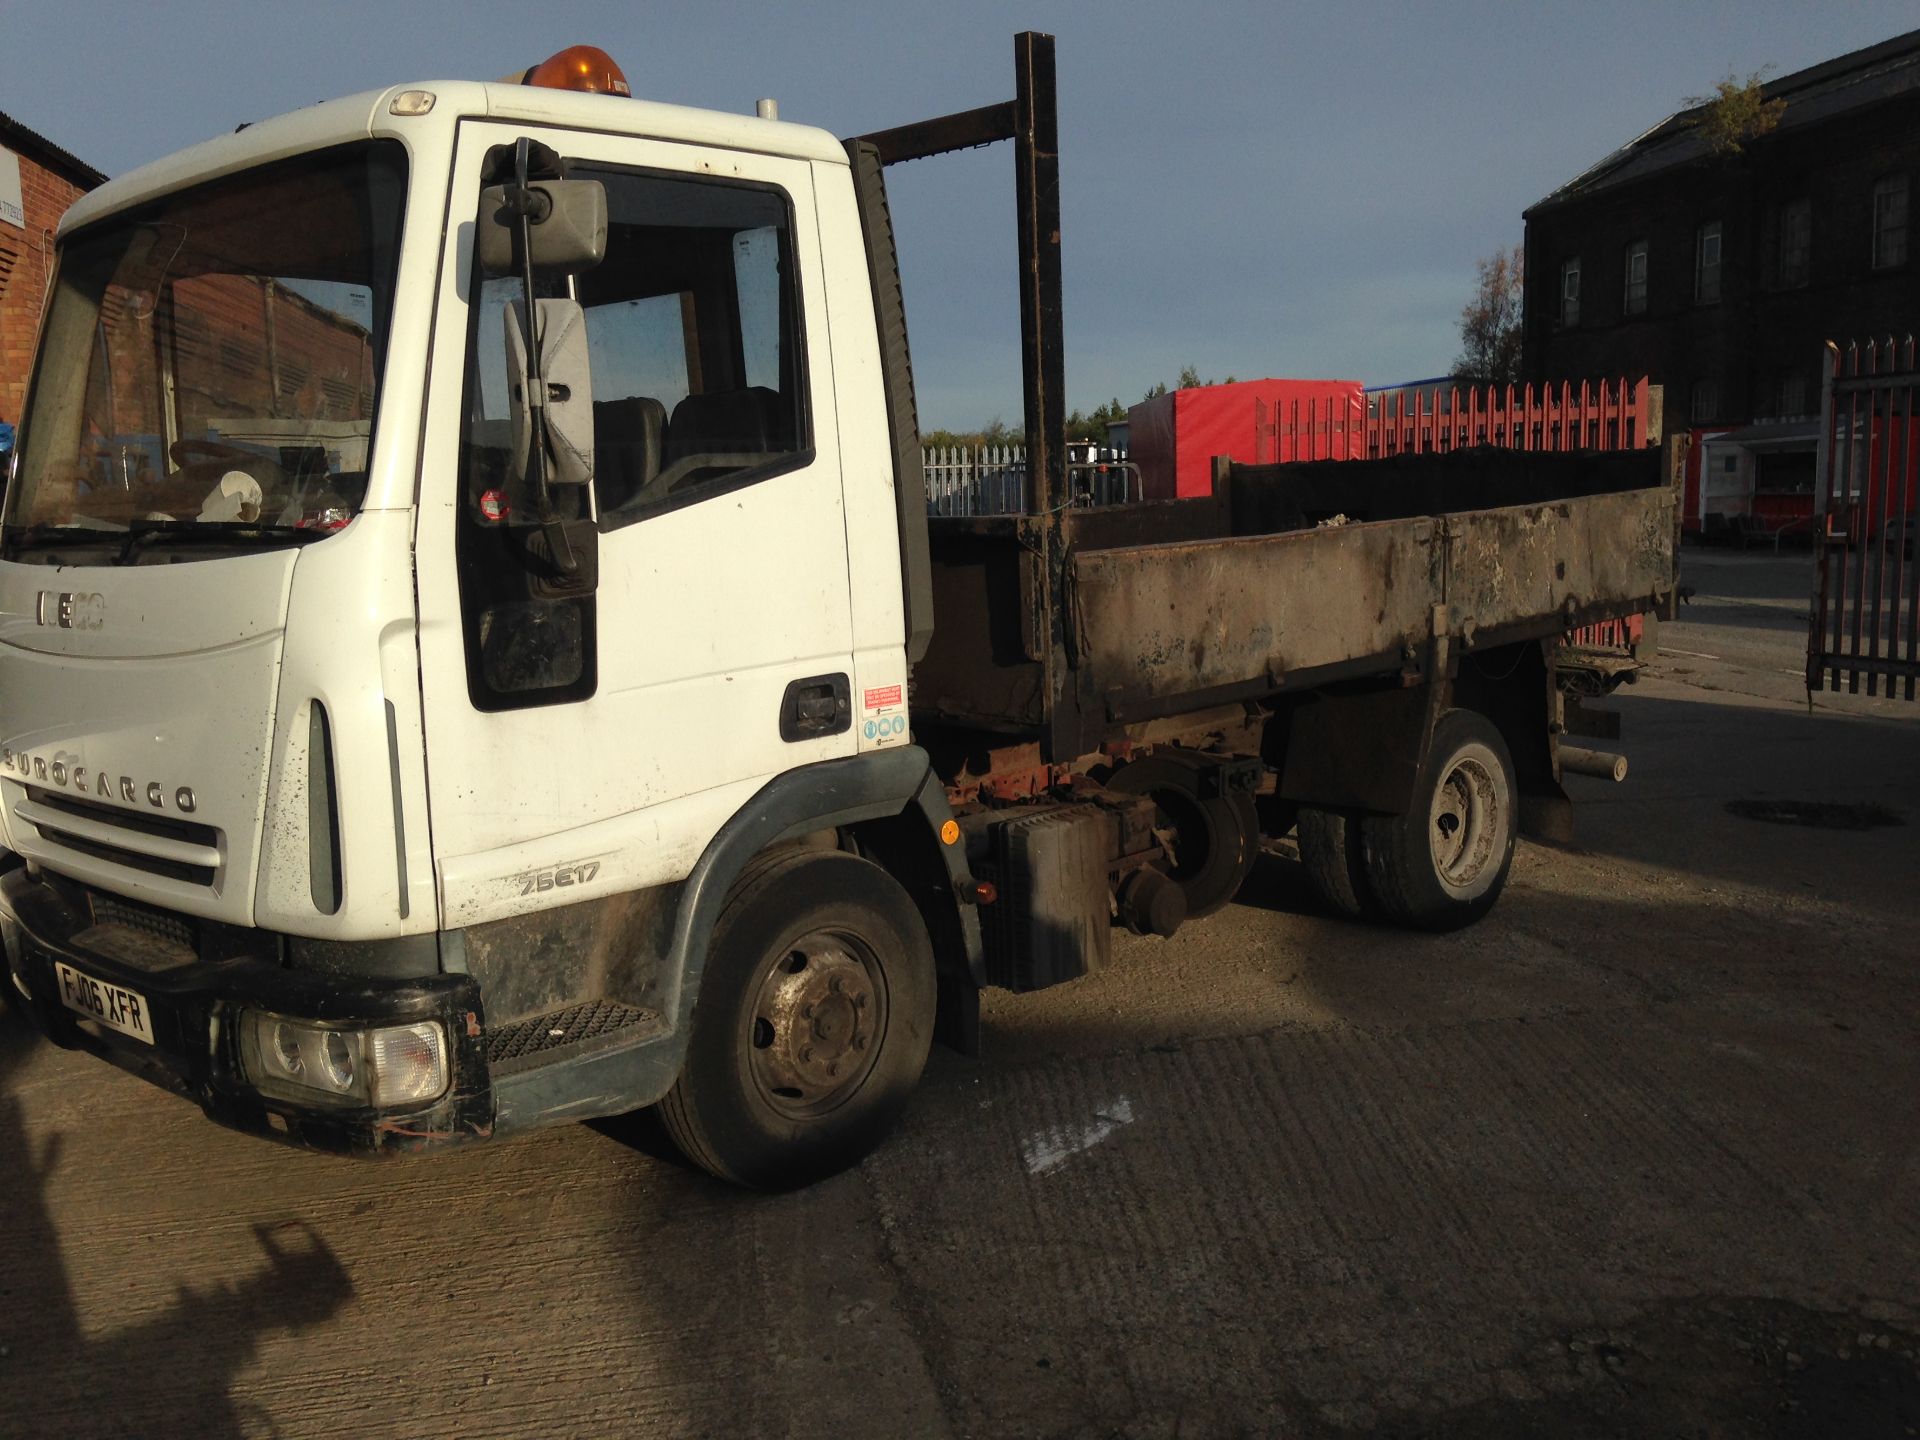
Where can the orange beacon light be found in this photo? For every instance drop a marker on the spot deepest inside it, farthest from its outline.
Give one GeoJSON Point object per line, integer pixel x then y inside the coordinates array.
{"type": "Point", "coordinates": [586, 68]}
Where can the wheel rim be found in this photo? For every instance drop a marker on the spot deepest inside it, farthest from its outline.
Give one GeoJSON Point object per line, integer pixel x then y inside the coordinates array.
{"type": "Point", "coordinates": [818, 1017]}
{"type": "Point", "coordinates": [1465, 826]}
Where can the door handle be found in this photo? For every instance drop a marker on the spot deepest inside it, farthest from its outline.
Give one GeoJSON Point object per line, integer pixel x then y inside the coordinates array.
{"type": "Point", "coordinates": [816, 706]}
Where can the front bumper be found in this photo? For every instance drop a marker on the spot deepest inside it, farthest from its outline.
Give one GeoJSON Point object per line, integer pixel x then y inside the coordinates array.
{"type": "Point", "coordinates": [194, 1007]}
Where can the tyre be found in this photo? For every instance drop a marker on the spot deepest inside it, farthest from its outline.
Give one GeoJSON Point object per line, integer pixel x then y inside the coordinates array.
{"type": "Point", "coordinates": [812, 1025]}
{"type": "Point", "coordinates": [1336, 867]}
{"type": "Point", "coordinates": [1444, 863]}
{"type": "Point", "coordinates": [1214, 839]}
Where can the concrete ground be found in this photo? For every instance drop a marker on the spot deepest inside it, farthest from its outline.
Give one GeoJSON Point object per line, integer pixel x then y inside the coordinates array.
{"type": "Point", "coordinates": [1637, 1155]}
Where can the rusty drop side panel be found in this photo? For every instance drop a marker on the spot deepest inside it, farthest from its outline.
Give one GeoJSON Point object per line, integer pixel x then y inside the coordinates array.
{"type": "Point", "coordinates": [1521, 563]}
{"type": "Point", "coordinates": [1159, 622]}
{"type": "Point", "coordinates": [1156, 624]}
{"type": "Point", "coordinates": [1285, 579]}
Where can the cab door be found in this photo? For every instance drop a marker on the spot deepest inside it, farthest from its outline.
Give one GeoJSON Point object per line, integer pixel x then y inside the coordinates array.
{"type": "Point", "coordinates": [595, 740]}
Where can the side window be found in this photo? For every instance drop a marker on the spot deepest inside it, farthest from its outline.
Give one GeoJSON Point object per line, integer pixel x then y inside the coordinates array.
{"type": "Point", "coordinates": [692, 326]}
{"type": "Point", "coordinates": [695, 361]}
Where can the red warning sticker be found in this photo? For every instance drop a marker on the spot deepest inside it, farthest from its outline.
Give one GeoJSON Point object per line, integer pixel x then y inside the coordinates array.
{"type": "Point", "coordinates": [882, 696]}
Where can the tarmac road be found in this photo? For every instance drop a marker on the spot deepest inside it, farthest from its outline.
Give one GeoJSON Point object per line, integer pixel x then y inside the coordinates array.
{"type": "Point", "coordinates": [1637, 1155]}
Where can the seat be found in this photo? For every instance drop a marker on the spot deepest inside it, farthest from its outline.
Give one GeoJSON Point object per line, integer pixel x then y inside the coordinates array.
{"type": "Point", "coordinates": [725, 422]}
{"type": "Point", "coordinates": [629, 444]}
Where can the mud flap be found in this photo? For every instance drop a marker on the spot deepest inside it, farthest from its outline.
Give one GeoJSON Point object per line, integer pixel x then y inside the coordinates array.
{"type": "Point", "coordinates": [1546, 813]}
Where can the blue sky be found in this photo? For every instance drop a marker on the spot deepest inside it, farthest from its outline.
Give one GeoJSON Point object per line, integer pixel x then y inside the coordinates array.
{"type": "Point", "coordinates": [1255, 189]}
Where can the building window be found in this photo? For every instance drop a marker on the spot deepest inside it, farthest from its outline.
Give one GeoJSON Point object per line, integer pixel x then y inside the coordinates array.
{"type": "Point", "coordinates": [1890, 223]}
{"type": "Point", "coordinates": [1796, 242]}
{"type": "Point", "coordinates": [1706, 264]}
{"type": "Point", "coordinates": [1636, 291]}
{"type": "Point", "coordinates": [1704, 404]}
{"type": "Point", "coordinates": [1570, 292]}
{"type": "Point", "coordinates": [1789, 472]}
{"type": "Point", "coordinates": [1793, 392]}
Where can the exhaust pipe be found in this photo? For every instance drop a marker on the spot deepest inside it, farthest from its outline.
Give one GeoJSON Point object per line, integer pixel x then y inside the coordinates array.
{"type": "Point", "coordinates": [1593, 762]}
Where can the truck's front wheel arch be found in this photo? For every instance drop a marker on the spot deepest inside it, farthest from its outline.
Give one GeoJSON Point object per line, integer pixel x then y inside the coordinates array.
{"type": "Point", "coordinates": [910, 847]}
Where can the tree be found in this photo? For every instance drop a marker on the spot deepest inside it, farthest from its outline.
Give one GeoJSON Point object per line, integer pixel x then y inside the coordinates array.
{"type": "Point", "coordinates": [1490, 322]}
{"type": "Point", "coordinates": [1736, 112]}
{"type": "Point", "coordinates": [1092, 425]}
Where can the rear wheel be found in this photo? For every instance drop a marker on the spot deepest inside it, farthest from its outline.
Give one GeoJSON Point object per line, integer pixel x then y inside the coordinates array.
{"type": "Point", "coordinates": [1336, 866]}
{"type": "Point", "coordinates": [814, 1018]}
{"type": "Point", "coordinates": [1213, 839]}
{"type": "Point", "coordinates": [1443, 864]}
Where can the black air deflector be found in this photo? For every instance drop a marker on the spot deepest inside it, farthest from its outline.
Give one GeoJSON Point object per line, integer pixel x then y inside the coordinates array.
{"type": "Point", "coordinates": [323, 815]}
{"type": "Point", "coordinates": [896, 370]}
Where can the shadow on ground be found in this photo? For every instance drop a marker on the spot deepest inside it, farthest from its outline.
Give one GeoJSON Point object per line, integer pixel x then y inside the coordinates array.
{"type": "Point", "coordinates": [170, 1373]}
{"type": "Point", "coordinates": [1755, 1368]}
{"type": "Point", "coordinates": [1692, 758]}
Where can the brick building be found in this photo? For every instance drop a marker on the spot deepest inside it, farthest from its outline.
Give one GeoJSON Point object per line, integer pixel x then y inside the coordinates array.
{"type": "Point", "coordinates": [1723, 276]}
{"type": "Point", "coordinates": [38, 180]}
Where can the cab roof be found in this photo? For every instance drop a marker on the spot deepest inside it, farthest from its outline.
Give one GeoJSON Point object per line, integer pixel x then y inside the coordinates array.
{"type": "Point", "coordinates": [368, 115]}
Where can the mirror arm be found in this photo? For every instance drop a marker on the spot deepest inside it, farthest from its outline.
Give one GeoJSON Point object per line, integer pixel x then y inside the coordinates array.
{"type": "Point", "coordinates": [522, 199]}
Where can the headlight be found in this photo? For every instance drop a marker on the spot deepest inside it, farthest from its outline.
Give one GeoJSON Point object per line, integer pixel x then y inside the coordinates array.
{"type": "Point", "coordinates": [396, 1065]}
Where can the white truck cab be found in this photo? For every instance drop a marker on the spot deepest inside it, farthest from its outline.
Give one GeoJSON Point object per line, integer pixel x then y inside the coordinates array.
{"type": "Point", "coordinates": [325, 720]}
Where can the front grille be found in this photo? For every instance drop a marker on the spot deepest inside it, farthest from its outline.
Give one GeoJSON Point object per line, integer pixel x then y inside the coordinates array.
{"type": "Point", "coordinates": [163, 845]}
{"type": "Point", "coordinates": [522, 1039]}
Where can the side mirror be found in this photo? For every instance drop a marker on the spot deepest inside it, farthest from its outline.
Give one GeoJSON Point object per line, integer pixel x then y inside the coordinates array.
{"type": "Point", "coordinates": [565, 389]}
{"type": "Point", "coordinates": [567, 227]}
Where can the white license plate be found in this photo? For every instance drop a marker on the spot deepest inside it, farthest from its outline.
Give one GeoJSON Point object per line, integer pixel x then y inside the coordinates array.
{"type": "Point", "coordinates": [113, 1007]}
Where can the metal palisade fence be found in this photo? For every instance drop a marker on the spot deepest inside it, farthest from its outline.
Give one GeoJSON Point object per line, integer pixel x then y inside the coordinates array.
{"type": "Point", "coordinates": [1865, 620]}
{"type": "Point", "coordinates": [1588, 415]}
{"type": "Point", "coordinates": [992, 479]}
{"type": "Point", "coordinates": [975, 479]}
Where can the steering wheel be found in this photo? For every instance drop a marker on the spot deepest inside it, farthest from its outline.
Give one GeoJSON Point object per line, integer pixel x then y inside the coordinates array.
{"type": "Point", "coordinates": [186, 451]}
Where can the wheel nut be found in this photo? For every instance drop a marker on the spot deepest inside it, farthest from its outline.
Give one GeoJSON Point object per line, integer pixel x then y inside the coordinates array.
{"type": "Point", "coordinates": [834, 984]}
{"type": "Point", "coordinates": [859, 1002]}
{"type": "Point", "coordinates": [859, 1042]}
{"type": "Point", "coordinates": [806, 1053]}
{"type": "Point", "coordinates": [806, 1012]}
{"type": "Point", "coordinates": [833, 1069]}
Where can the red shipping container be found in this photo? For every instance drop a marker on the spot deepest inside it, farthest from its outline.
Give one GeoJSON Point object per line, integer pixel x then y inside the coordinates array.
{"type": "Point", "coordinates": [1174, 437]}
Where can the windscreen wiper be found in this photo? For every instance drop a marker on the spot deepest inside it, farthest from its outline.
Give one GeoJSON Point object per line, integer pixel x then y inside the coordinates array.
{"type": "Point", "coordinates": [215, 533]}
{"type": "Point", "coordinates": [48, 532]}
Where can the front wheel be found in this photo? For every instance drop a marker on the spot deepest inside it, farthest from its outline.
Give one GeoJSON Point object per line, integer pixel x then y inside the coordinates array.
{"type": "Point", "coordinates": [1443, 864]}
{"type": "Point", "coordinates": [813, 1023]}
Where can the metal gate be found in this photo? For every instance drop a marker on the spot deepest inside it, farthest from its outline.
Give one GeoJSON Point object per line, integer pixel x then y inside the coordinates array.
{"type": "Point", "coordinates": [1866, 588]}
